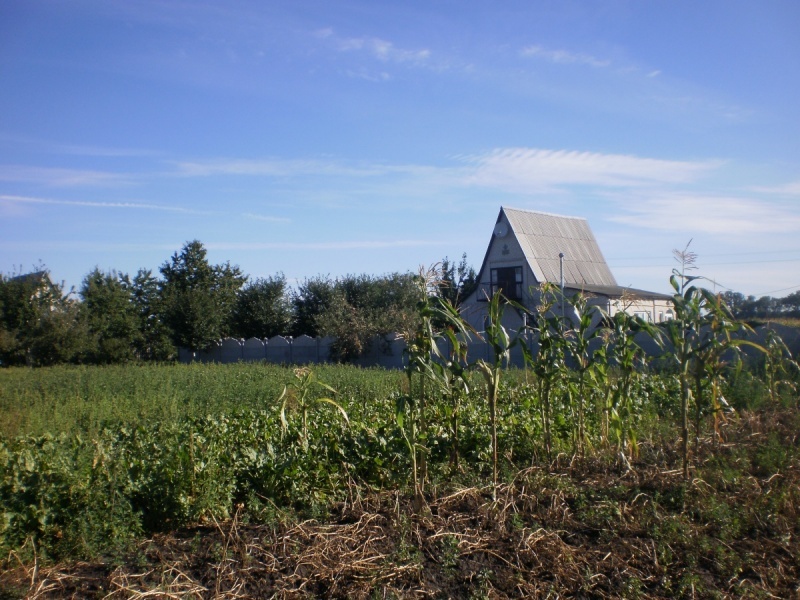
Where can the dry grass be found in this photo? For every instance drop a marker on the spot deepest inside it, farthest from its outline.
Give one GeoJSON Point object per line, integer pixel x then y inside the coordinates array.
{"type": "Point", "coordinates": [587, 530]}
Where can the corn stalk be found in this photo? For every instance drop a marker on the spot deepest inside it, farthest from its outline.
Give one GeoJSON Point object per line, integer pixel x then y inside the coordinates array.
{"type": "Point", "coordinates": [425, 361]}
{"type": "Point", "coordinates": [780, 369]}
{"type": "Point", "coordinates": [298, 394]}
{"type": "Point", "coordinates": [498, 338]}
{"type": "Point", "coordinates": [548, 362]}
{"type": "Point", "coordinates": [714, 341]}
{"type": "Point", "coordinates": [625, 356]}
{"type": "Point", "coordinates": [578, 341]}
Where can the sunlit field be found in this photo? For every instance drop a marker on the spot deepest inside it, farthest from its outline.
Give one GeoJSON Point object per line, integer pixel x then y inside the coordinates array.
{"type": "Point", "coordinates": [222, 464]}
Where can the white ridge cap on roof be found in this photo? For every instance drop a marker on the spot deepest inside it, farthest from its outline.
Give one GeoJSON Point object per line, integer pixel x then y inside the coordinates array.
{"type": "Point", "coordinates": [541, 212]}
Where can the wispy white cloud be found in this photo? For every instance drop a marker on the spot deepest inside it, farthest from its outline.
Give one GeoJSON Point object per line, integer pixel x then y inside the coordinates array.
{"type": "Point", "coordinates": [102, 151]}
{"type": "Point", "coordinates": [631, 87]}
{"type": "Point", "coordinates": [788, 189]}
{"type": "Point", "coordinates": [61, 177]}
{"type": "Point", "coordinates": [536, 170]}
{"type": "Point", "coordinates": [564, 57]}
{"type": "Point", "coordinates": [54, 147]}
{"type": "Point", "coordinates": [690, 100]}
{"type": "Point", "coordinates": [333, 245]}
{"type": "Point", "coordinates": [386, 51]}
{"type": "Point", "coordinates": [712, 215]}
{"type": "Point", "coordinates": [91, 204]}
{"type": "Point", "coordinates": [526, 171]}
{"type": "Point", "coordinates": [367, 76]}
{"type": "Point", "coordinates": [273, 167]}
{"type": "Point", "coordinates": [510, 169]}
{"type": "Point", "coordinates": [90, 246]}
{"type": "Point", "coordinates": [266, 218]}
{"type": "Point", "coordinates": [49, 245]}
{"type": "Point", "coordinates": [375, 47]}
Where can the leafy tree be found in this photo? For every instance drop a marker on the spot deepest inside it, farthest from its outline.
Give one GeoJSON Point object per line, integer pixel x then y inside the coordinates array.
{"type": "Point", "coordinates": [312, 298]}
{"type": "Point", "coordinates": [263, 309]}
{"type": "Point", "coordinates": [457, 281]}
{"type": "Point", "coordinates": [35, 312]}
{"type": "Point", "coordinates": [362, 307]}
{"type": "Point", "coordinates": [198, 297]}
{"type": "Point", "coordinates": [110, 316]}
{"type": "Point", "coordinates": [348, 325]}
{"type": "Point", "coordinates": [153, 342]}
{"type": "Point", "coordinates": [765, 307]}
{"type": "Point", "coordinates": [60, 336]}
{"type": "Point", "coordinates": [735, 301]}
{"type": "Point", "coordinates": [354, 309]}
{"type": "Point", "coordinates": [792, 301]}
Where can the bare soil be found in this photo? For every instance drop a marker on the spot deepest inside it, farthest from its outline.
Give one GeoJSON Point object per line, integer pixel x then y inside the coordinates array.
{"type": "Point", "coordinates": [572, 529]}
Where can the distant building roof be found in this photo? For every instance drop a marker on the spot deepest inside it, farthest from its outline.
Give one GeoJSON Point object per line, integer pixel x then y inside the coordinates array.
{"type": "Point", "coordinates": [544, 236]}
{"type": "Point", "coordinates": [616, 291]}
{"type": "Point", "coordinates": [37, 277]}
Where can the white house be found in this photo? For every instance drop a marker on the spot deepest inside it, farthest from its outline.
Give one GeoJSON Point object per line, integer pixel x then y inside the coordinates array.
{"type": "Point", "coordinates": [529, 248]}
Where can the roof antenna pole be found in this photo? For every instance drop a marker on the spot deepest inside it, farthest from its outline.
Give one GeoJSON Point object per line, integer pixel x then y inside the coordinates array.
{"type": "Point", "coordinates": [561, 265]}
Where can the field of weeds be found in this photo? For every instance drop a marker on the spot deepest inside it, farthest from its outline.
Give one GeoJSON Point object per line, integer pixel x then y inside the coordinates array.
{"type": "Point", "coordinates": [583, 529]}
{"type": "Point", "coordinates": [232, 505]}
{"type": "Point", "coordinates": [586, 474]}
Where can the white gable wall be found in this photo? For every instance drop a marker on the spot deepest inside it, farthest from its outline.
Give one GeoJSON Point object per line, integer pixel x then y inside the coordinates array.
{"type": "Point", "coordinates": [503, 251]}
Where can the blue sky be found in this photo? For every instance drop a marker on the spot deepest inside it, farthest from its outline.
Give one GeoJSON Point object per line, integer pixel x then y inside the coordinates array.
{"type": "Point", "coordinates": [333, 137]}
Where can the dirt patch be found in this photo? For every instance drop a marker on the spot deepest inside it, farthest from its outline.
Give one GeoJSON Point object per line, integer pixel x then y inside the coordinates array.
{"type": "Point", "coordinates": [579, 530]}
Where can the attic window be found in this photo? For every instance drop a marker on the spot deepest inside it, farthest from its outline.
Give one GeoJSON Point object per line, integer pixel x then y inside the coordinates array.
{"type": "Point", "coordinates": [508, 281]}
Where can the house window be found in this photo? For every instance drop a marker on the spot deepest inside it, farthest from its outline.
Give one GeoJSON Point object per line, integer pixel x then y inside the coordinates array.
{"type": "Point", "coordinates": [508, 281]}
{"type": "Point", "coordinates": [644, 315]}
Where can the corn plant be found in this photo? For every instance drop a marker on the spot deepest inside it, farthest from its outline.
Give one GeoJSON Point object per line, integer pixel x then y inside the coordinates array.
{"type": "Point", "coordinates": [603, 379]}
{"type": "Point", "coordinates": [684, 332]}
{"type": "Point", "coordinates": [625, 356]}
{"type": "Point", "coordinates": [420, 349]}
{"type": "Point", "coordinates": [452, 370]}
{"type": "Point", "coordinates": [548, 362]}
{"type": "Point", "coordinates": [780, 369]}
{"type": "Point", "coordinates": [578, 341]}
{"type": "Point", "coordinates": [501, 342]}
{"type": "Point", "coordinates": [713, 342]}
{"type": "Point", "coordinates": [299, 395]}
{"type": "Point", "coordinates": [700, 335]}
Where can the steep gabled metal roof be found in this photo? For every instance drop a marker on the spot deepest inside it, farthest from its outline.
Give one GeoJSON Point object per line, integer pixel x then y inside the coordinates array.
{"type": "Point", "coordinates": [543, 236]}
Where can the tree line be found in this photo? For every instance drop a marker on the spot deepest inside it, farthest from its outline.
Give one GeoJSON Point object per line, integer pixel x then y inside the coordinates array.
{"type": "Point", "coordinates": [116, 318]}
{"type": "Point", "coordinates": [765, 307]}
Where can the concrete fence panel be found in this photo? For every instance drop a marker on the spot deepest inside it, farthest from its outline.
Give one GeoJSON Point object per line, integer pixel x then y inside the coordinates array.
{"type": "Point", "coordinates": [254, 349]}
{"type": "Point", "coordinates": [384, 351]}
{"type": "Point", "coordinates": [279, 350]}
{"type": "Point", "coordinates": [305, 350]}
{"type": "Point", "coordinates": [230, 351]}
{"type": "Point", "coordinates": [388, 351]}
{"type": "Point", "coordinates": [211, 354]}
